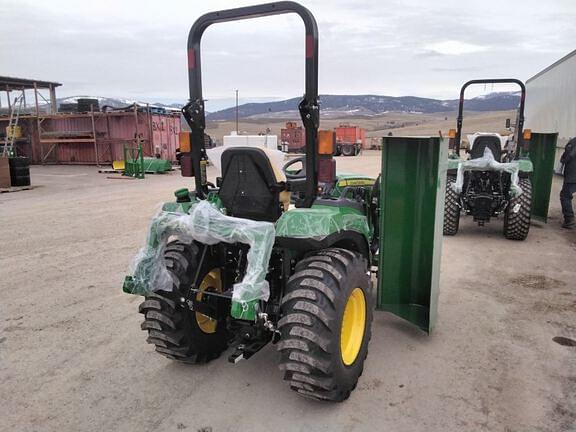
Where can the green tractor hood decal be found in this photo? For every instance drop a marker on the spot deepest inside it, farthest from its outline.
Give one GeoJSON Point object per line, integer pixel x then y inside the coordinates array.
{"type": "Point", "coordinates": [350, 180]}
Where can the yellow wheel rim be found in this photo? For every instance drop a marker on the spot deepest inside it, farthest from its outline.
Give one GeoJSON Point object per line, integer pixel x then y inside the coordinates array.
{"type": "Point", "coordinates": [353, 324]}
{"type": "Point", "coordinates": [212, 282]}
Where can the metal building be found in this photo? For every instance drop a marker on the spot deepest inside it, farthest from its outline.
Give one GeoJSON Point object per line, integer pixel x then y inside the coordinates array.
{"type": "Point", "coordinates": [551, 102]}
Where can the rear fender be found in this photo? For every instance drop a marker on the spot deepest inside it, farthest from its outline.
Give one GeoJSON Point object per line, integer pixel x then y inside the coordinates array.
{"type": "Point", "coordinates": [319, 227]}
{"type": "Point", "coordinates": [349, 240]}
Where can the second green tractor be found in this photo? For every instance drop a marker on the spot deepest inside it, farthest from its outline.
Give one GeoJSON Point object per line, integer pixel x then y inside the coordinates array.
{"type": "Point", "coordinates": [496, 180]}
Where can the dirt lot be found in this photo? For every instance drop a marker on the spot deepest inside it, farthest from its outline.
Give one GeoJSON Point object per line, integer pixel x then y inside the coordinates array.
{"type": "Point", "coordinates": [73, 357]}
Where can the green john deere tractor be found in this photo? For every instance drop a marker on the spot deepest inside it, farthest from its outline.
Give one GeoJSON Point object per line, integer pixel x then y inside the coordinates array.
{"type": "Point", "coordinates": [286, 256]}
{"type": "Point", "coordinates": [495, 180]}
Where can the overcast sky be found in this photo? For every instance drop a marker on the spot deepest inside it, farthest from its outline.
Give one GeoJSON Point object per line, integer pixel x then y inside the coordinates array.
{"type": "Point", "coordinates": [137, 49]}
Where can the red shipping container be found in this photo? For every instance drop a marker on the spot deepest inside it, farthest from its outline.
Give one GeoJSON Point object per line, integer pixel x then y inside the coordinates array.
{"type": "Point", "coordinates": [69, 138]}
{"type": "Point", "coordinates": [293, 137]}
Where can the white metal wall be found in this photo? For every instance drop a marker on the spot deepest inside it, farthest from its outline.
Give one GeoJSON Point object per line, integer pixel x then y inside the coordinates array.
{"type": "Point", "coordinates": [551, 101]}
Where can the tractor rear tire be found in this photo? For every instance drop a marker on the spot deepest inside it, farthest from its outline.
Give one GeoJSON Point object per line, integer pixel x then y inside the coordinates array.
{"type": "Point", "coordinates": [322, 348]}
{"type": "Point", "coordinates": [172, 327]}
{"type": "Point", "coordinates": [451, 208]}
{"type": "Point", "coordinates": [518, 213]}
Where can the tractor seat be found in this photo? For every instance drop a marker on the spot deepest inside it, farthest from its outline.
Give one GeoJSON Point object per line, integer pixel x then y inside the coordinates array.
{"type": "Point", "coordinates": [481, 142]}
{"type": "Point", "coordinates": [250, 187]}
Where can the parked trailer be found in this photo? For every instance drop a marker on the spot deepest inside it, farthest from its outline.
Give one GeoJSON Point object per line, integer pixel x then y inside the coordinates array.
{"type": "Point", "coordinates": [349, 140]}
{"type": "Point", "coordinates": [550, 102]}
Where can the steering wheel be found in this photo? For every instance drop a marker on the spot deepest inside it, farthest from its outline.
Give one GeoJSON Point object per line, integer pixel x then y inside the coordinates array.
{"type": "Point", "coordinates": [295, 174]}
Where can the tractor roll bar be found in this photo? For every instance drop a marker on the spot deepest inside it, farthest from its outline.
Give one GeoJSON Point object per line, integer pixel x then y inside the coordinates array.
{"type": "Point", "coordinates": [520, 125]}
{"type": "Point", "coordinates": [308, 107]}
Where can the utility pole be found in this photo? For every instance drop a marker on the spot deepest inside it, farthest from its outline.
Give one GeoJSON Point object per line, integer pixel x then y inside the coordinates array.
{"type": "Point", "coordinates": [236, 111]}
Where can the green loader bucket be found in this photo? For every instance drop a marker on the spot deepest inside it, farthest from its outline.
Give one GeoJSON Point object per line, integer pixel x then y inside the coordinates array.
{"type": "Point", "coordinates": [411, 217]}
{"type": "Point", "coordinates": [542, 150]}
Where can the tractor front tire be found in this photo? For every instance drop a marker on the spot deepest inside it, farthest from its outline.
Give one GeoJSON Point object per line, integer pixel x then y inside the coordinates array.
{"type": "Point", "coordinates": [518, 213]}
{"type": "Point", "coordinates": [326, 324]}
{"type": "Point", "coordinates": [172, 327]}
{"type": "Point", "coordinates": [451, 208]}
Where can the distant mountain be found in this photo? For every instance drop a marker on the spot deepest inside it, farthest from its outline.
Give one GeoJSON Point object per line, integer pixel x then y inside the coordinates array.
{"type": "Point", "coordinates": [493, 102]}
{"type": "Point", "coordinates": [368, 105]}
{"type": "Point", "coordinates": [331, 106]}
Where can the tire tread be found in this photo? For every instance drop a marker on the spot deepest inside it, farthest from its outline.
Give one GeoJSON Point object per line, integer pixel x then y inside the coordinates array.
{"type": "Point", "coordinates": [310, 325]}
{"type": "Point", "coordinates": [517, 225]}
{"type": "Point", "coordinates": [169, 324]}
{"type": "Point", "coordinates": [451, 208]}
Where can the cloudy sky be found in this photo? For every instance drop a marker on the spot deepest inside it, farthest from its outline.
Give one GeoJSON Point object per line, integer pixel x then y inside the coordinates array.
{"type": "Point", "coordinates": [137, 49]}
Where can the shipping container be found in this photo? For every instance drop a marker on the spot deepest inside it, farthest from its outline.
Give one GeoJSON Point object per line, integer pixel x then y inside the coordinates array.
{"type": "Point", "coordinates": [96, 138]}
{"type": "Point", "coordinates": [292, 138]}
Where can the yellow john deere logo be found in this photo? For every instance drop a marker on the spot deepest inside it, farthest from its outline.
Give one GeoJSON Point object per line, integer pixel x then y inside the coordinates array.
{"type": "Point", "coordinates": [356, 182]}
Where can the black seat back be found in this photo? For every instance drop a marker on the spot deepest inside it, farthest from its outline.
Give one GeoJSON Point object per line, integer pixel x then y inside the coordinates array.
{"type": "Point", "coordinates": [481, 142]}
{"type": "Point", "coordinates": [249, 188]}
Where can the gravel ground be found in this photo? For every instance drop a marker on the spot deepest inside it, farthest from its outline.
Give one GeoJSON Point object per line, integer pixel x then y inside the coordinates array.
{"type": "Point", "coordinates": [73, 357]}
